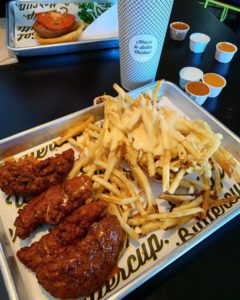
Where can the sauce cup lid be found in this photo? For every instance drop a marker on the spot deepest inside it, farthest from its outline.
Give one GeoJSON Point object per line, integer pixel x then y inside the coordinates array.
{"type": "Point", "coordinates": [191, 73]}
{"type": "Point", "coordinates": [199, 37]}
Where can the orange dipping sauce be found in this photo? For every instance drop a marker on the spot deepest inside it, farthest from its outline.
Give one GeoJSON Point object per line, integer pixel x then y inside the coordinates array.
{"type": "Point", "coordinates": [214, 80]}
{"type": "Point", "coordinates": [197, 88]}
{"type": "Point", "coordinates": [226, 47]}
{"type": "Point", "coordinates": [180, 26]}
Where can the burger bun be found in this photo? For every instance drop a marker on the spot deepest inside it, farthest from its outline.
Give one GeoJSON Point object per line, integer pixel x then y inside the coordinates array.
{"type": "Point", "coordinates": [66, 38]}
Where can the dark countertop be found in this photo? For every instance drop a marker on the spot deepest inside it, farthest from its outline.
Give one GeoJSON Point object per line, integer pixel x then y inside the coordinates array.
{"type": "Point", "coordinates": [40, 89]}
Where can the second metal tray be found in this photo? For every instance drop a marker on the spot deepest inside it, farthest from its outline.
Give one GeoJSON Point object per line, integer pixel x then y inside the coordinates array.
{"type": "Point", "coordinates": [41, 50]}
{"type": "Point", "coordinates": [16, 282]}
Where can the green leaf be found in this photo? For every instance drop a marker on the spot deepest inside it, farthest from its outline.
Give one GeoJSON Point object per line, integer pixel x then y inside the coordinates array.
{"type": "Point", "coordinates": [90, 11]}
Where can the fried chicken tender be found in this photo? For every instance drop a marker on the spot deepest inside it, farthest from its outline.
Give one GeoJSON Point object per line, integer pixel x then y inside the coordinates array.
{"type": "Point", "coordinates": [53, 205]}
{"type": "Point", "coordinates": [29, 177]}
{"type": "Point", "coordinates": [79, 255]}
{"type": "Point", "coordinates": [72, 229]}
{"type": "Point", "coordinates": [87, 264]}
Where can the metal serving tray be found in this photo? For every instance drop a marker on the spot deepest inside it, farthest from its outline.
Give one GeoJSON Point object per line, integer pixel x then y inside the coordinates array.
{"type": "Point", "coordinates": [163, 255]}
{"type": "Point", "coordinates": [41, 50]}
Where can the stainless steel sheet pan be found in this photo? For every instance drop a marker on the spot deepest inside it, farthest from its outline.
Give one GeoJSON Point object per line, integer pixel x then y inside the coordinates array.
{"type": "Point", "coordinates": [42, 50]}
{"type": "Point", "coordinates": [47, 132]}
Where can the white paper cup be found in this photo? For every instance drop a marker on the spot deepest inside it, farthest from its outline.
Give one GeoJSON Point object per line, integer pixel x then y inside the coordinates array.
{"type": "Point", "coordinates": [198, 42]}
{"type": "Point", "coordinates": [188, 74]}
{"type": "Point", "coordinates": [194, 92]}
{"type": "Point", "coordinates": [179, 30]}
{"type": "Point", "coordinates": [223, 54]}
{"type": "Point", "coordinates": [215, 89]}
{"type": "Point", "coordinates": [142, 30]}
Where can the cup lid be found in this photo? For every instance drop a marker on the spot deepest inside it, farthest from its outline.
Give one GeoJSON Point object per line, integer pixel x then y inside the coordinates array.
{"type": "Point", "coordinates": [191, 73]}
{"type": "Point", "coordinates": [199, 37]}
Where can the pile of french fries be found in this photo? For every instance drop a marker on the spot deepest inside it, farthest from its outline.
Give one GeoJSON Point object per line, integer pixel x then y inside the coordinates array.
{"type": "Point", "coordinates": [140, 139]}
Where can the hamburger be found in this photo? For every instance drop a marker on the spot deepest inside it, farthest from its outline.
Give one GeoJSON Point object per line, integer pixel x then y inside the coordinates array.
{"type": "Point", "coordinates": [55, 27]}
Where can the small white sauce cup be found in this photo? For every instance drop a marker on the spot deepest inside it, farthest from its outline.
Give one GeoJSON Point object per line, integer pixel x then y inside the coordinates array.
{"type": "Point", "coordinates": [178, 34]}
{"type": "Point", "coordinates": [225, 56]}
{"type": "Point", "coordinates": [198, 42]}
{"type": "Point", "coordinates": [199, 99]}
{"type": "Point", "coordinates": [188, 74]}
{"type": "Point", "coordinates": [214, 90]}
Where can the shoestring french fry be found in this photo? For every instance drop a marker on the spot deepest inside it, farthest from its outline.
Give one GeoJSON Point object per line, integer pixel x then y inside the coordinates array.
{"type": "Point", "coordinates": [88, 158]}
{"type": "Point", "coordinates": [223, 163]}
{"type": "Point", "coordinates": [128, 98]}
{"type": "Point", "coordinates": [156, 90]}
{"type": "Point", "coordinates": [120, 175]}
{"type": "Point", "coordinates": [136, 221]}
{"type": "Point", "coordinates": [176, 181]}
{"type": "Point", "coordinates": [206, 195]}
{"type": "Point", "coordinates": [110, 187]}
{"type": "Point", "coordinates": [149, 227]}
{"type": "Point", "coordinates": [171, 197]}
{"type": "Point", "coordinates": [115, 180]}
{"type": "Point", "coordinates": [217, 179]}
{"type": "Point", "coordinates": [74, 143]}
{"type": "Point", "coordinates": [166, 170]}
{"type": "Point", "coordinates": [120, 201]}
{"type": "Point", "coordinates": [181, 213]}
{"type": "Point", "coordinates": [152, 142]}
{"type": "Point", "coordinates": [101, 99]}
{"type": "Point", "coordinates": [227, 162]}
{"type": "Point", "coordinates": [128, 184]}
{"type": "Point", "coordinates": [93, 134]}
{"type": "Point", "coordinates": [199, 184]}
{"type": "Point", "coordinates": [144, 184]}
{"type": "Point", "coordinates": [93, 127]}
{"type": "Point", "coordinates": [195, 203]}
{"type": "Point", "coordinates": [131, 232]}
{"type": "Point", "coordinates": [151, 166]}
{"type": "Point", "coordinates": [217, 202]}
{"type": "Point", "coordinates": [164, 224]}
{"type": "Point", "coordinates": [76, 130]}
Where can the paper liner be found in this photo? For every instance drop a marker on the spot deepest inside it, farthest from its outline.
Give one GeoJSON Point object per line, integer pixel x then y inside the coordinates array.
{"type": "Point", "coordinates": [140, 256]}
{"type": "Point", "coordinates": [24, 13]}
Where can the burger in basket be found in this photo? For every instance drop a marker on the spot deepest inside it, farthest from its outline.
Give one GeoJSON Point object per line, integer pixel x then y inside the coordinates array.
{"type": "Point", "coordinates": [55, 27]}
